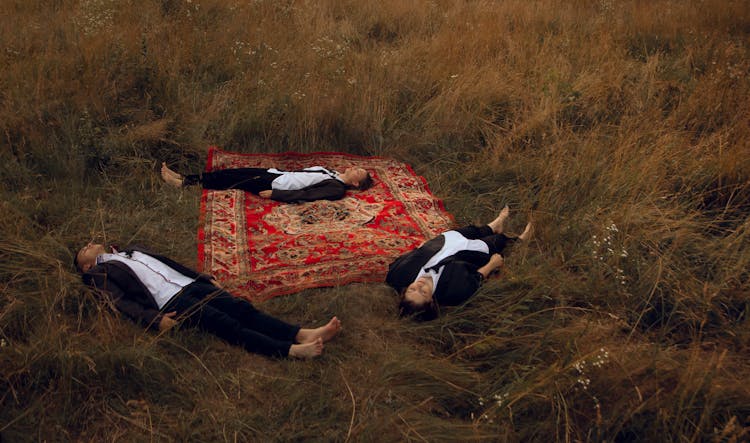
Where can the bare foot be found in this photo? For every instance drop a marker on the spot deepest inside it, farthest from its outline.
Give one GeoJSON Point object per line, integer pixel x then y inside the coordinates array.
{"type": "Point", "coordinates": [170, 176]}
{"type": "Point", "coordinates": [498, 224]}
{"type": "Point", "coordinates": [307, 350]}
{"type": "Point", "coordinates": [527, 232]}
{"type": "Point", "coordinates": [325, 333]}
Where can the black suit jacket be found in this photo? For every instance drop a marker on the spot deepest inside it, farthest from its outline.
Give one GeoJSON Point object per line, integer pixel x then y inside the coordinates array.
{"type": "Point", "coordinates": [460, 278]}
{"type": "Point", "coordinates": [118, 283]}
{"type": "Point", "coordinates": [332, 189]}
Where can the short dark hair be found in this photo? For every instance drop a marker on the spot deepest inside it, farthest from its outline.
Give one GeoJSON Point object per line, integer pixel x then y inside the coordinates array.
{"type": "Point", "coordinates": [366, 183]}
{"type": "Point", "coordinates": [426, 312]}
{"type": "Point", "coordinates": [75, 260]}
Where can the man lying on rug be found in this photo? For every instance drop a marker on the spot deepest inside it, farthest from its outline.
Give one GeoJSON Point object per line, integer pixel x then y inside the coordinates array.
{"type": "Point", "coordinates": [309, 184]}
{"type": "Point", "coordinates": [159, 293]}
{"type": "Point", "coordinates": [449, 268]}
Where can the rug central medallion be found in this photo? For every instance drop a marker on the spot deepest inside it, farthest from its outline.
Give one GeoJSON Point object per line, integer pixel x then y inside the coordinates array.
{"type": "Point", "coordinates": [323, 217]}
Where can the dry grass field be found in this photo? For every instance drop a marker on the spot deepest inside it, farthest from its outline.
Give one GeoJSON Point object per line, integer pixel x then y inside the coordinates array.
{"type": "Point", "coordinates": [621, 127]}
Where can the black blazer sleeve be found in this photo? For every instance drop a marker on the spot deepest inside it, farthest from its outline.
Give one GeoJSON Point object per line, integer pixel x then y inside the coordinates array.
{"type": "Point", "coordinates": [458, 282]}
{"type": "Point", "coordinates": [400, 273]}
{"type": "Point", "coordinates": [125, 292]}
{"type": "Point", "coordinates": [403, 270]}
{"type": "Point", "coordinates": [332, 189]}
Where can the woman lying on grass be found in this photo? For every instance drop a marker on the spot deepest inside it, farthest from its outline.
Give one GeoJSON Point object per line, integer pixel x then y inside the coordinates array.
{"type": "Point", "coordinates": [449, 268]}
{"type": "Point", "coordinates": [309, 184]}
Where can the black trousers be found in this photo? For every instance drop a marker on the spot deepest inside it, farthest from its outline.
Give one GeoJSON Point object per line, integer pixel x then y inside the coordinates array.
{"type": "Point", "coordinates": [495, 242]}
{"type": "Point", "coordinates": [247, 179]}
{"type": "Point", "coordinates": [233, 319]}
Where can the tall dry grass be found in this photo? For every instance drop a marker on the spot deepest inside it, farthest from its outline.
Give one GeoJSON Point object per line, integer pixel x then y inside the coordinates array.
{"type": "Point", "coordinates": [619, 127]}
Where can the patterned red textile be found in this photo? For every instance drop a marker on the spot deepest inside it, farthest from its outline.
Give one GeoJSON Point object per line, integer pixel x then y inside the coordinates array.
{"type": "Point", "coordinates": [259, 248]}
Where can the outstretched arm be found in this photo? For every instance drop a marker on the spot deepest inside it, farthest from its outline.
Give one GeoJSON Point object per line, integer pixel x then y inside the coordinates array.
{"type": "Point", "coordinates": [496, 262]}
{"type": "Point", "coordinates": [143, 315]}
{"type": "Point", "coordinates": [458, 282]}
{"type": "Point", "coordinates": [146, 316]}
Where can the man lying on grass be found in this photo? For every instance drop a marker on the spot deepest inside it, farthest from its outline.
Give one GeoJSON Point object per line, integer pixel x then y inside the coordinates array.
{"type": "Point", "coordinates": [309, 184]}
{"type": "Point", "coordinates": [159, 293]}
{"type": "Point", "coordinates": [449, 268]}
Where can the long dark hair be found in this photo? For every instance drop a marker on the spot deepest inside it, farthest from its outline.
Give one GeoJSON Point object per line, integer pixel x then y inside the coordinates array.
{"type": "Point", "coordinates": [76, 265]}
{"type": "Point", "coordinates": [366, 183]}
{"type": "Point", "coordinates": [426, 312]}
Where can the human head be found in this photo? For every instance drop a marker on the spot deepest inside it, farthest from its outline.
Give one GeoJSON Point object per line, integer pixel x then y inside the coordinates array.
{"type": "Point", "coordinates": [357, 178]}
{"type": "Point", "coordinates": [85, 258]}
{"type": "Point", "coordinates": [417, 301]}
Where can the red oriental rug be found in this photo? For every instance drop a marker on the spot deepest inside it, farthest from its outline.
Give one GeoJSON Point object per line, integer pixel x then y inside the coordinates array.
{"type": "Point", "coordinates": [260, 248]}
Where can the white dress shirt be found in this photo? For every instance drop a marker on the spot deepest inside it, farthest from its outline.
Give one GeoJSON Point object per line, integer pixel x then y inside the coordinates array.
{"type": "Point", "coordinates": [294, 181]}
{"type": "Point", "coordinates": [454, 243]}
{"type": "Point", "coordinates": [161, 281]}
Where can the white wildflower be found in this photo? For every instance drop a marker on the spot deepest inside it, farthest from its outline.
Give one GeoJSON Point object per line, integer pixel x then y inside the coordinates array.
{"type": "Point", "coordinates": [500, 399]}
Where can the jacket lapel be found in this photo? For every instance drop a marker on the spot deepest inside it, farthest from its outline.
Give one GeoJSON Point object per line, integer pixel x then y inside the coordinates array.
{"type": "Point", "coordinates": [124, 277]}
